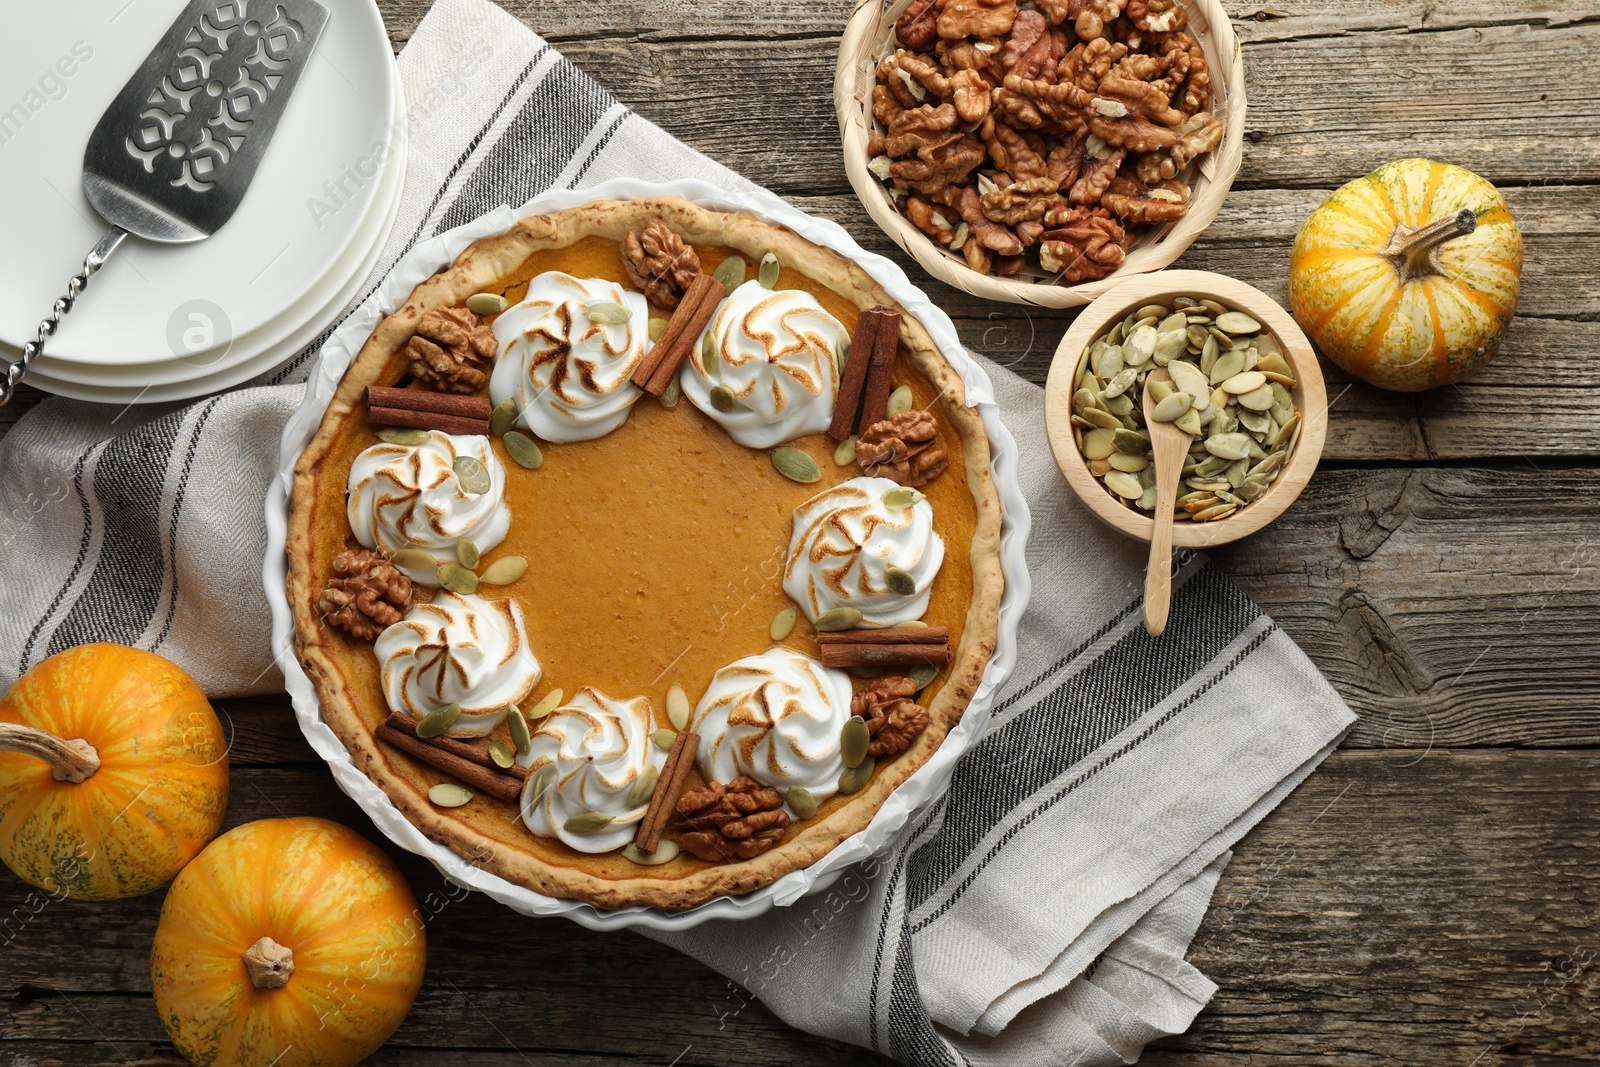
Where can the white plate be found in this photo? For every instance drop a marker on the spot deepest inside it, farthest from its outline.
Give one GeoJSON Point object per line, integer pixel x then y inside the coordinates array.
{"type": "Point", "coordinates": [235, 373]}
{"type": "Point", "coordinates": [311, 313]}
{"type": "Point", "coordinates": [268, 257]}
{"type": "Point", "coordinates": [921, 789]}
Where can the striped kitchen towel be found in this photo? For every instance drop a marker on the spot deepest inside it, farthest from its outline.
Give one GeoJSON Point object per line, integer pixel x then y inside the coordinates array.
{"type": "Point", "coordinates": [1040, 914]}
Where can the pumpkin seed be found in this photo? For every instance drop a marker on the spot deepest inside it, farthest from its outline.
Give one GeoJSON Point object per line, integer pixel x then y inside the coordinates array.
{"type": "Point", "coordinates": [767, 273]}
{"type": "Point", "coordinates": [645, 784]}
{"type": "Point", "coordinates": [844, 453]}
{"type": "Point", "coordinates": [525, 450]}
{"type": "Point", "coordinates": [471, 475]}
{"type": "Point", "coordinates": [1119, 405]}
{"type": "Point", "coordinates": [1172, 407]}
{"type": "Point", "coordinates": [486, 303]}
{"type": "Point", "coordinates": [1188, 378]}
{"type": "Point", "coordinates": [670, 395]}
{"type": "Point", "coordinates": [1245, 382]}
{"type": "Point", "coordinates": [1189, 422]}
{"type": "Point", "coordinates": [520, 737]}
{"type": "Point", "coordinates": [709, 359]}
{"type": "Point", "coordinates": [1123, 461]}
{"type": "Point", "coordinates": [1228, 445]}
{"type": "Point", "coordinates": [836, 619]}
{"type": "Point", "coordinates": [606, 313]}
{"type": "Point", "coordinates": [678, 708]}
{"type": "Point", "coordinates": [1097, 444]}
{"type": "Point", "coordinates": [865, 672]}
{"type": "Point", "coordinates": [449, 795]}
{"type": "Point", "coordinates": [782, 624]}
{"type": "Point", "coordinates": [854, 737]}
{"type": "Point", "coordinates": [438, 720]}
{"type": "Point", "coordinates": [1160, 390]}
{"type": "Point", "coordinates": [1109, 363]}
{"type": "Point", "coordinates": [1119, 385]}
{"type": "Point", "coordinates": [503, 417]}
{"type": "Point", "coordinates": [722, 398]}
{"type": "Point", "coordinates": [402, 435]}
{"type": "Point", "coordinates": [1129, 442]}
{"type": "Point", "coordinates": [852, 779]}
{"type": "Point", "coordinates": [1102, 419]}
{"type": "Point", "coordinates": [1124, 485]}
{"type": "Point", "coordinates": [902, 497]}
{"type": "Point", "coordinates": [657, 327]}
{"type": "Point", "coordinates": [666, 851]}
{"type": "Point", "coordinates": [1258, 399]}
{"type": "Point", "coordinates": [1226, 366]}
{"type": "Point", "coordinates": [1169, 346]}
{"type": "Point", "coordinates": [1140, 346]}
{"type": "Point", "coordinates": [795, 465]}
{"type": "Point", "coordinates": [413, 559]}
{"type": "Point", "coordinates": [504, 570]}
{"type": "Point", "coordinates": [924, 675]}
{"type": "Point", "coordinates": [899, 400]}
{"type": "Point", "coordinates": [1237, 322]}
{"type": "Point", "coordinates": [899, 581]}
{"type": "Point", "coordinates": [467, 553]}
{"type": "Point", "coordinates": [549, 703]}
{"type": "Point", "coordinates": [663, 738]}
{"type": "Point", "coordinates": [1159, 311]}
{"type": "Point", "coordinates": [502, 754]}
{"type": "Point", "coordinates": [800, 801]}
{"type": "Point", "coordinates": [588, 822]}
{"type": "Point", "coordinates": [730, 272]}
{"type": "Point", "coordinates": [457, 579]}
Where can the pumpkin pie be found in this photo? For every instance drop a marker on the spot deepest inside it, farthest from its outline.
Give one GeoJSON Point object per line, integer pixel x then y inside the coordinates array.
{"type": "Point", "coordinates": [613, 612]}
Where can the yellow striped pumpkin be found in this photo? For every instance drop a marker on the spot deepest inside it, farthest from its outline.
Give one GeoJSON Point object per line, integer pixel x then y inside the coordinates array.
{"type": "Point", "coordinates": [113, 772]}
{"type": "Point", "coordinates": [289, 943]}
{"type": "Point", "coordinates": [1408, 277]}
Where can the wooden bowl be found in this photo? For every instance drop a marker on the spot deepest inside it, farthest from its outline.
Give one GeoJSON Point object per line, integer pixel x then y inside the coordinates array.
{"type": "Point", "coordinates": [868, 37]}
{"type": "Point", "coordinates": [1310, 397]}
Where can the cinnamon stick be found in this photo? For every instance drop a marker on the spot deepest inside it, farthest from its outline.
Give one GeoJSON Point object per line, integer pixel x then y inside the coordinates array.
{"type": "Point", "coordinates": [880, 373]}
{"type": "Point", "coordinates": [665, 358]}
{"type": "Point", "coordinates": [669, 787]}
{"type": "Point", "coordinates": [871, 655]}
{"type": "Point", "coordinates": [426, 410]}
{"type": "Point", "coordinates": [500, 786]}
{"type": "Point", "coordinates": [854, 382]}
{"type": "Point", "coordinates": [904, 635]}
{"type": "Point", "coordinates": [399, 720]}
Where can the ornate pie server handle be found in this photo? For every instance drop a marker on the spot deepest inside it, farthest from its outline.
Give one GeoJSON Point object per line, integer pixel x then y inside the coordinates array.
{"type": "Point", "coordinates": [63, 306]}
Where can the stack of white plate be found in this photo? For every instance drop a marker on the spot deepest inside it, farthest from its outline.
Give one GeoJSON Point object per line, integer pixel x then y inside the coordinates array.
{"type": "Point", "coordinates": [169, 322]}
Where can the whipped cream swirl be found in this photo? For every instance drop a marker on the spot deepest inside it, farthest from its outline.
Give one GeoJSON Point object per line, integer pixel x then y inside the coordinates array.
{"type": "Point", "coordinates": [408, 496]}
{"type": "Point", "coordinates": [458, 649]}
{"type": "Point", "coordinates": [568, 373]}
{"type": "Point", "coordinates": [844, 542]}
{"type": "Point", "coordinates": [586, 758]}
{"type": "Point", "coordinates": [778, 354]}
{"type": "Point", "coordinates": [776, 717]}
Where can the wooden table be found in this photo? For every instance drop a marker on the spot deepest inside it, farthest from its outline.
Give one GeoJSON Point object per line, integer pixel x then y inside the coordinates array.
{"type": "Point", "coordinates": [1430, 896]}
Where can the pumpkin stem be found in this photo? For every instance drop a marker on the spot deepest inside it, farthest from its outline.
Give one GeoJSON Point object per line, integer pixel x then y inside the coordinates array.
{"type": "Point", "coordinates": [269, 963]}
{"type": "Point", "coordinates": [70, 761]}
{"type": "Point", "coordinates": [1412, 252]}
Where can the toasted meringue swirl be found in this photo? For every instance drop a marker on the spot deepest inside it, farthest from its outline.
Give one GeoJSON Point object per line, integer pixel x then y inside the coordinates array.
{"type": "Point", "coordinates": [568, 374]}
{"type": "Point", "coordinates": [778, 353]}
{"type": "Point", "coordinates": [408, 496]}
{"type": "Point", "coordinates": [776, 717]}
{"type": "Point", "coordinates": [458, 649]}
{"type": "Point", "coordinates": [844, 541]}
{"type": "Point", "coordinates": [585, 758]}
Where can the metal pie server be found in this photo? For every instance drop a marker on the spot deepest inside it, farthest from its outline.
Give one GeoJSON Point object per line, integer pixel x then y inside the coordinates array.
{"type": "Point", "coordinates": [173, 155]}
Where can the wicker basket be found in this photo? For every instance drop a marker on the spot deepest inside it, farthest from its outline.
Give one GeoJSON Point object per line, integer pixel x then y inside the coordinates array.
{"type": "Point", "coordinates": [867, 38]}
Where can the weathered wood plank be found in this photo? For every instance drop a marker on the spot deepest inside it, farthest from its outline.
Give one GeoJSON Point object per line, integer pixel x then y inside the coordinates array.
{"type": "Point", "coordinates": [1459, 920]}
{"type": "Point", "coordinates": [1260, 20]}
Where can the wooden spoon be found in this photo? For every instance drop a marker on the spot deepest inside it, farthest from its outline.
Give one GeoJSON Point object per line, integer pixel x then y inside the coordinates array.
{"type": "Point", "coordinates": [1171, 447]}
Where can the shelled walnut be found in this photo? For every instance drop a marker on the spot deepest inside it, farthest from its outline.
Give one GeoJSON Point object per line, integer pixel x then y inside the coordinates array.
{"type": "Point", "coordinates": [739, 820]}
{"type": "Point", "coordinates": [992, 118]}
{"type": "Point", "coordinates": [894, 718]}
{"type": "Point", "coordinates": [659, 263]}
{"type": "Point", "coordinates": [452, 351]}
{"type": "Point", "coordinates": [365, 595]}
{"type": "Point", "coordinates": [903, 447]}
